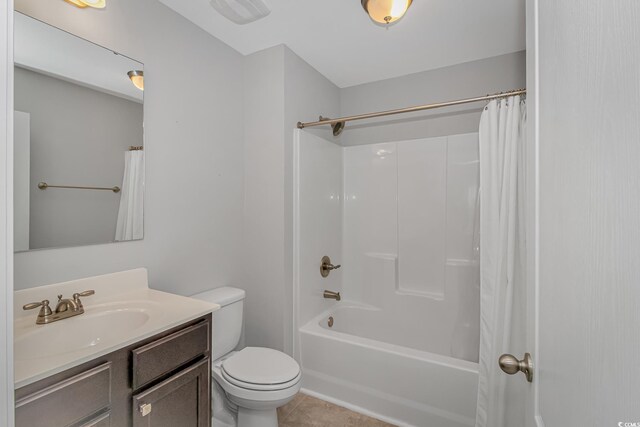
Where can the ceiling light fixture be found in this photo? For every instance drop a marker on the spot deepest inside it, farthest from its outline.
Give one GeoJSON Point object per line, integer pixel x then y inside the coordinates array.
{"type": "Point", "coordinates": [96, 4]}
{"type": "Point", "coordinates": [386, 11]}
{"type": "Point", "coordinates": [137, 78]}
{"type": "Point", "coordinates": [241, 11]}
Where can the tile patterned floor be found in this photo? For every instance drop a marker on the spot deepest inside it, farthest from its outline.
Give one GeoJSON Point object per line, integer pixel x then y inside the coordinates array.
{"type": "Point", "coordinates": [307, 411]}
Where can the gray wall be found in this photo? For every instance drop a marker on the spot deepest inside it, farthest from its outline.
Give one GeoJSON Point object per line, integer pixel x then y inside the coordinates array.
{"type": "Point", "coordinates": [193, 149]}
{"type": "Point", "coordinates": [460, 81]}
{"type": "Point", "coordinates": [78, 137]}
{"type": "Point", "coordinates": [280, 89]}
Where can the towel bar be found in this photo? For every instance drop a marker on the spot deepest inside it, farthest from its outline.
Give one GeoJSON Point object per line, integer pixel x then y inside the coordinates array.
{"type": "Point", "coordinates": [44, 186]}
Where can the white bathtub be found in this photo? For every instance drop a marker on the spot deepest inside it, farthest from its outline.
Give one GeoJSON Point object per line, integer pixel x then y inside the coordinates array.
{"type": "Point", "coordinates": [365, 362]}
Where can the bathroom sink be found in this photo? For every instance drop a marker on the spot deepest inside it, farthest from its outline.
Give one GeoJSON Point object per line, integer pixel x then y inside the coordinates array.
{"type": "Point", "coordinates": [97, 326]}
{"type": "Point", "coordinates": [122, 311]}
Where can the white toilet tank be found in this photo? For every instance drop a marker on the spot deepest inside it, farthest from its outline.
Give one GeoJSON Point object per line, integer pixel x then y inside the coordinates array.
{"type": "Point", "coordinates": [227, 322]}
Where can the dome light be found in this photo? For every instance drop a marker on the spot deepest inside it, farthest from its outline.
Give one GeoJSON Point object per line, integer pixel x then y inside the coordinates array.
{"type": "Point", "coordinates": [96, 4]}
{"type": "Point", "coordinates": [137, 78]}
{"type": "Point", "coordinates": [386, 11]}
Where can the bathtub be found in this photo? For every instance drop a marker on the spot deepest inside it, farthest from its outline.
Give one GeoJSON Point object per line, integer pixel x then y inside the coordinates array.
{"type": "Point", "coordinates": [366, 363]}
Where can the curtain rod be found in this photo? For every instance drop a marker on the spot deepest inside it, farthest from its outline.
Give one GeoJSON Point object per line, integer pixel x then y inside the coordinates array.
{"type": "Point", "coordinates": [302, 125]}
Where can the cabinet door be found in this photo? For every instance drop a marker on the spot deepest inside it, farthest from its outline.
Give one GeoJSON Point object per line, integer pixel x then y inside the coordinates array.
{"type": "Point", "coordinates": [181, 400]}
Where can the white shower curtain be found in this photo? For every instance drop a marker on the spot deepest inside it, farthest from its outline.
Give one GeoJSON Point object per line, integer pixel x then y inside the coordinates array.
{"type": "Point", "coordinates": [502, 222]}
{"type": "Point", "coordinates": [130, 214]}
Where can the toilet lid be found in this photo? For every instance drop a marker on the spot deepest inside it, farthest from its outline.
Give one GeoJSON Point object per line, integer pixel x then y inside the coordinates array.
{"type": "Point", "coordinates": [261, 366]}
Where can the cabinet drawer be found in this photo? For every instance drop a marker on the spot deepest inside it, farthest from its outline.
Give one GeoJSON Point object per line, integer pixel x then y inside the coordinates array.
{"type": "Point", "coordinates": [155, 359]}
{"type": "Point", "coordinates": [67, 402]}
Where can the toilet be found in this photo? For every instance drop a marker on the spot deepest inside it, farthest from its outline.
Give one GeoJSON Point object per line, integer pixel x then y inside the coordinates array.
{"type": "Point", "coordinates": [250, 384]}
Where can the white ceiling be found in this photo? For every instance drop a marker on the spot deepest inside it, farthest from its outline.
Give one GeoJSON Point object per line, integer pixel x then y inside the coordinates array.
{"type": "Point", "coordinates": [340, 41]}
{"type": "Point", "coordinates": [41, 47]}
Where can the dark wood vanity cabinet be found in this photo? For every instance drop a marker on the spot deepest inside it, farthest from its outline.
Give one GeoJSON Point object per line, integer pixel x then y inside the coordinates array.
{"type": "Point", "coordinates": [161, 381]}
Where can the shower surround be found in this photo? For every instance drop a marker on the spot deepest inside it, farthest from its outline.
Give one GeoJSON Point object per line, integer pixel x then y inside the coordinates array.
{"type": "Point", "coordinates": [402, 219]}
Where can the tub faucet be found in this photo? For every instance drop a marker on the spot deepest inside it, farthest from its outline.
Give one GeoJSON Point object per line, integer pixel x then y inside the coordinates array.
{"type": "Point", "coordinates": [332, 295]}
{"type": "Point", "coordinates": [326, 267]}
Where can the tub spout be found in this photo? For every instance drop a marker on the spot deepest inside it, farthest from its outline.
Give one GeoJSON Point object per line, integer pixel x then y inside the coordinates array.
{"type": "Point", "coordinates": [332, 295]}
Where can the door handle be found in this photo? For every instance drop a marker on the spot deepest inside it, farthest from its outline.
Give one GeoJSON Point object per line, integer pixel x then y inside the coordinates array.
{"type": "Point", "coordinates": [511, 365]}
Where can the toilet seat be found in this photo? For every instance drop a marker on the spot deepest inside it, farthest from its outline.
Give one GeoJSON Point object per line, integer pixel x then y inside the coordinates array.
{"type": "Point", "coordinates": [261, 369]}
{"type": "Point", "coordinates": [260, 387]}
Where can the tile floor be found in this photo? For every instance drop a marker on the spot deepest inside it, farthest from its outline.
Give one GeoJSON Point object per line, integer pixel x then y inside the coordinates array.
{"type": "Point", "coordinates": [307, 411]}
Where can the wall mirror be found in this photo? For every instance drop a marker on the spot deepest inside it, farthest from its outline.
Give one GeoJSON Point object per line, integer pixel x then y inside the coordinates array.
{"type": "Point", "coordinates": [78, 144]}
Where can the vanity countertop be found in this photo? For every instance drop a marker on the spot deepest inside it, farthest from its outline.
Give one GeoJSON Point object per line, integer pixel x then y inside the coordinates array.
{"type": "Point", "coordinates": [123, 311]}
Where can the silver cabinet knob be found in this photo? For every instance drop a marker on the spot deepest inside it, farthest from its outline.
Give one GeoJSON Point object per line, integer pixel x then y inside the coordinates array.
{"type": "Point", "coordinates": [145, 409]}
{"type": "Point", "coordinates": [511, 365]}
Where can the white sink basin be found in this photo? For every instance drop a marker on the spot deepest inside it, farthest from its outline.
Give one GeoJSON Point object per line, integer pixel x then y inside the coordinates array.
{"type": "Point", "coordinates": [98, 325]}
{"type": "Point", "coordinates": [122, 312]}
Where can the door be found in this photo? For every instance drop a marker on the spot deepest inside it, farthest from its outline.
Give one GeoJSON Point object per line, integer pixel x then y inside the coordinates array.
{"type": "Point", "coordinates": [181, 400]}
{"type": "Point", "coordinates": [584, 290]}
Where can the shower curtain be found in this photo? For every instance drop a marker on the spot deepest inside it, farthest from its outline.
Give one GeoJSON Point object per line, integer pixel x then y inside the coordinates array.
{"type": "Point", "coordinates": [130, 214]}
{"type": "Point", "coordinates": [502, 245]}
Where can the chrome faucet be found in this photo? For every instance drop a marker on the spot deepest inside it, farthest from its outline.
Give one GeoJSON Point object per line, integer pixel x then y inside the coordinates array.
{"type": "Point", "coordinates": [331, 295]}
{"type": "Point", "coordinates": [64, 309]}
